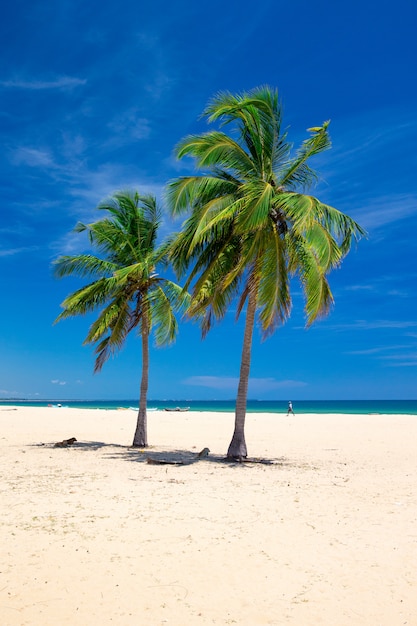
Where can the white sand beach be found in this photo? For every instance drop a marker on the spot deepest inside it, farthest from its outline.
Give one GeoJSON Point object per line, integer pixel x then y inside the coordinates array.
{"type": "Point", "coordinates": [93, 534]}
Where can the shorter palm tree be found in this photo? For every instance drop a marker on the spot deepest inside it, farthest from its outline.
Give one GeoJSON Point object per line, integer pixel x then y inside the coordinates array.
{"type": "Point", "coordinates": [126, 287]}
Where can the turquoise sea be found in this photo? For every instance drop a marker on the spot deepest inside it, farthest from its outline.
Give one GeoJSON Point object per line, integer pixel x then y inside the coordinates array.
{"type": "Point", "coordinates": [254, 406]}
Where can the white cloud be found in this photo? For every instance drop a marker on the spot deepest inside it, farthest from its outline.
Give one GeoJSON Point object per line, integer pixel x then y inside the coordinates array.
{"type": "Point", "coordinates": [400, 360]}
{"type": "Point", "coordinates": [214, 382]}
{"type": "Point", "coordinates": [73, 145]}
{"type": "Point", "coordinates": [387, 284]}
{"type": "Point", "coordinates": [372, 325]}
{"type": "Point", "coordinates": [359, 288]}
{"type": "Point", "coordinates": [255, 384]}
{"type": "Point", "coordinates": [385, 210]}
{"type": "Point", "coordinates": [129, 125]}
{"type": "Point", "coordinates": [404, 364]}
{"type": "Point", "coordinates": [400, 357]}
{"type": "Point", "coordinates": [58, 382]}
{"type": "Point", "coordinates": [13, 251]}
{"type": "Point", "coordinates": [34, 157]}
{"type": "Point", "coordinates": [61, 82]}
{"type": "Point", "coordinates": [378, 350]}
{"type": "Point", "coordinates": [9, 394]}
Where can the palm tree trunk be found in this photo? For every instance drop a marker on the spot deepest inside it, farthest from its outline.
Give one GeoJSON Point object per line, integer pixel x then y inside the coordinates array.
{"type": "Point", "coordinates": [140, 440]}
{"type": "Point", "coordinates": [237, 448]}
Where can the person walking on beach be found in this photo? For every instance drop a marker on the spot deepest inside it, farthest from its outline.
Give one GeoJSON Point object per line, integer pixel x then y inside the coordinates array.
{"type": "Point", "coordinates": [290, 410]}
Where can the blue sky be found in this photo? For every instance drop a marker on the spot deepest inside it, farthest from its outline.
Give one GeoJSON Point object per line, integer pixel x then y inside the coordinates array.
{"type": "Point", "coordinates": [93, 99]}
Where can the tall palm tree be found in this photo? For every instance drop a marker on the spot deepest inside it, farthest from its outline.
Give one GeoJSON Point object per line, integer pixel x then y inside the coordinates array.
{"type": "Point", "coordinates": [126, 287]}
{"type": "Point", "coordinates": [251, 226]}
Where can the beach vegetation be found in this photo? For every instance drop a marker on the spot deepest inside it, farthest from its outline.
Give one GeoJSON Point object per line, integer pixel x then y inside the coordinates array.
{"type": "Point", "coordinates": [126, 287]}
{"type": "Point", "coordinates": [251, 226]}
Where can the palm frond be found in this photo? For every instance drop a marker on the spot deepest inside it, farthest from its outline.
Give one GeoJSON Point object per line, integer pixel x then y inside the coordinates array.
{"type": "Point", "coordinates": [248, 227]}
{"type": "Point", "coordinates": [126, 270]}
{"type": "Point", "coordinates": [298, 172]}
{"type": "Point", "coordinates": [87, 298]}
{"type": "Point", "coordinates": [103, 353]}
{"type": "Point", "coordinates": [82, 265]}
{"type": "Point", "coordinates": [215, 216]}
{"type": "Point", "coordinates": [256, 206]}
{"type": "Point", "coordinates": [164, 323]}
{"type": "Point", "coordinates": [304, 211]}
{"type": "Point", "coordinates": [227, 107]}
{"type": "Point", "coordinates": [214, 148]}
{"type": "Point", "coordinates": [303, 260]}
{"type": "Point", "coordinates": [191, 191]}
{"type": "Point", "coordinates": [274, 299]}
{"type": "Point", "coordinates": [324, 245]}
{"type": "Point", "coordinates": [114, 320]}
{"type": "Point", "coordinates": [258, 116]}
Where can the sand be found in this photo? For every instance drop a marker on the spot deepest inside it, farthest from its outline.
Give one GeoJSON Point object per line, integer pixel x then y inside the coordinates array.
{"type": "Point", "coordinates": [324, 535]}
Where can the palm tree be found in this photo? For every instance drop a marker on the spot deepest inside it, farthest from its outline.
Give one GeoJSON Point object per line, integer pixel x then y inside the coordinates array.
{"type": "Point", "coordinates": [251, 226]}
{"type": "Point", "coordinates": [125, 287]}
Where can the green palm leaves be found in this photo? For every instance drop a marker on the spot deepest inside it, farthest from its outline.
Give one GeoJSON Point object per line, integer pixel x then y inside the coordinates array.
{"type": "Point", "coordinates": [248, 195]}
{"type": "Point", "coordinates": [250, 226]}
{"type": "Point", "coordinates": [125, 287]}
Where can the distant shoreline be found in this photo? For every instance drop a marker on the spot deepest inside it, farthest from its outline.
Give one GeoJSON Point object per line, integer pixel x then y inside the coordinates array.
{"type": "Point", "coordinates": [344, 407]}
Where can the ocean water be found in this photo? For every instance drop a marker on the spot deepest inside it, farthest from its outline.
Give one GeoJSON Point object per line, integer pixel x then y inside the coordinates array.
{"type": "Point", "coordinates": [254, 406]}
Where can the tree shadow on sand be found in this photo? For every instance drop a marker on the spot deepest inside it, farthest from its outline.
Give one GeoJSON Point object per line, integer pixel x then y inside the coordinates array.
{"type": "Point", "coordinates": [187, 457]}
{"type": "Point", "coordinates": [152, 456]}
{"type": "Point", "coordinates": [79, 445]}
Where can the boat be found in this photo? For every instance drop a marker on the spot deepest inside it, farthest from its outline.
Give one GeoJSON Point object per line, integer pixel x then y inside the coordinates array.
{"type": "Point", "coordinates": [177, 408]}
